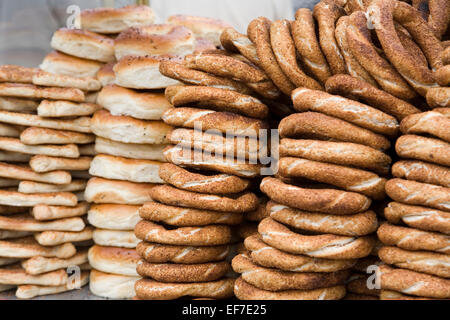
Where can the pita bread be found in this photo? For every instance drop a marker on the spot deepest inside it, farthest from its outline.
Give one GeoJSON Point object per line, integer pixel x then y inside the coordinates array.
{"type": "Point", "coordinates": [87, 150]}
{"type": "Point", "coordinates": [59, 109]}
{"type": "Point", "coordinates": [53, 238]}
{"type": "Point", "coordinates": [32, 291]}
{"type": "Point", "coordinates": [15, 145]}
{"type": "Point", "coordinates": [14, 157]}
{"type": "Point", "coordinates": [60, 63]}
{"type": "Point", "coordinates": [25, 222]}
{"type": "Point", "coordinates": [19, 276]}
{"type": "Point", "coordinates": [115, 238]}
{"type": "Point", "coordinates": [28, 248]}
{"type": "Point", "coordinates": [41, 163]}
{"type": "Point", "coordinates": [37, 187]}
{"type": "Point", "coordinates": [82, 124]}
{"type": "Point", "coordinates": [17, 199]}
{"type": "Point", "coordinates": [7, 130]}
{"type": "Point", "coordinates": [39, 265]}
{"type": "Point", "coordinates": [34, 92]}
{"type": "Point", "coordinates": [24, 173]}
{"type": "Point", "coordinates": [112, 286]}
{"type": "Point", "coordinates": [47, 79]}
{"type": "Point", "coordinates": [12, 234]}
{"type": "Point", "coordinates": [114, 216]}
{"type": "Point", "coordinates": [44, 212]}
{"type": "Point", "coordinates": [12, 73]}
{"type": "Point", "coordinates": [5, 183]}
{"type": "Point", "coordinates": [130, 150]}
{"type": "Point", "coordinates": [18, 105]}
{"type": "Point", "coordinates": [37, 136]}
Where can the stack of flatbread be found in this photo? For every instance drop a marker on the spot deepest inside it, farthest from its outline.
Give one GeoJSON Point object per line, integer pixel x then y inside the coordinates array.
{"type": "Point", "coordinates": [44, 157]}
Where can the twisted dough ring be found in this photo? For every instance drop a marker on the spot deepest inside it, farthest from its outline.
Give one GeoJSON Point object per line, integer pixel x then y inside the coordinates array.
{"type": "Point", "coordinates": [416, 193]}
{"type": "Point", "coordinates": [317, 200]}
{"type": "Point", "coordinates": [442, 75]}
{"type": "Point", "coordinates": [422, 172]}
{"type": "Point", "coordinates": [181, 73]}
{"type": "Point", "coordinates": [426, 149]}
{"type": "Point", "coordinates": [305, 40]}
{"type": "Point", "coordinates": [202, 161]}
{"type": "Point", "coordinates": [188, 236]}
{"type": "Point", "coordinates": [179, 273]}
{"type": "Point", "coordinates": [439, 97]}
{"type": "Point", "coordinates": [196, 182]}
{"type": "Point", "coordinates": [413, 239]}
{"type": "Point", "coordinates": [327, 12]}
{"type": "Point", "coordinates": [234, 41]}
{"type": "Point", "coordinates": [418, 217]}
{"type": "Point", "coordinates": [345, 109]}
{"type": "Point", "coordinates": [245, 291]}
{"type": "Point", "coordinates": [181, 217]}
{"type": "Point", "coordinates": [359, 224]}
{"type": "Point", "coordinates": [318, 126]}
{"type": "Point", "coordinates": [357, 284]}
{"type": "Point", "coordinates": [218, 99]}
{"type": "Point", "coordinates": [383, 15]}
{"type": "Point", "coordinates": [351, 87]}
{"type": "Point", "coordinates": [172, 196]}
{"type": "Point", "coordinates": [346, 178]}
{"type": "Point", "coordinates": [259, 33]}
{"type": "Point", "coordinates": [352, 66]}
{"type": "Point", "coordinates": [270, 257]}
{"type": "Point", "coordinates": [339, 153]}
{"type": "Point", "coordinates": [393, 295]}
{"type": "Point", "coordinates": [159, 253]}
{"type": "Point", "coordinates": [414, 283]}
{"type": "Point", "coordinates": [147, 289]}
{"type": "Point", "coordinates": [431, 122]}
{"type": "Point", "coordinates": [284, 49]}
{"type": "Point", "coordinates": [437, 15]}
{"type": "Point", "coordinates": [317, 246]}
{"type": "Point", "coordinates": [362, 48]}
{"type": "Point", "coordinates": [276, 280]}
{"type": "Point", "coordinates": [420, 261]}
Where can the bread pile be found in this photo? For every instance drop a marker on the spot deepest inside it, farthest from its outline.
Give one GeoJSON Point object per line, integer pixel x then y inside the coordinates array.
{"type": "Point", "coordinates": [45, 127]}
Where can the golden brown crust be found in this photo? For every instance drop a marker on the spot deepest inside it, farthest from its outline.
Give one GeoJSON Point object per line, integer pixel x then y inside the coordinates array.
{"type": "Point", "coordinates": [36, 92]}
{"type": "Point", "coordinates": [422, 148]}
{"type": "Point", "coordinates": [234, 41]}
{"type": "Point", "coordinates": [422, 172]}
{"type": "Point", "coordinates": [442, 74]}
{"type": "Point", "coordinates": [438, 97]}
{"type": "Point", "coordinates": [434, 123]}
{"type": "Point", "coordinates": [17, 74]}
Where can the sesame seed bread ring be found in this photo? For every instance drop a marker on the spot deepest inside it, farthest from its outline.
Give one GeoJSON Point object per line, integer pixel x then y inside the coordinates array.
{"type": "Point", "coordinates": [84, 44]}
{"type": "Point", "coordinates": [393, 295]}
{"type": "Point", "coordinates": [359, 224]}
{"type": "Point", "coordinates": [317, 200]}
{"type": "Point", "coordinates": [306, 43]}
{"type": "Point", "coordinates": [115, 238]}
{"type": "Point", "coordinates": [187, 199]}
{"type": "Point", "coordinates": [198, 160]}
{"type": "Point", "coordinates": [147, 289]}
{"type": "Point", "coordinates": [340, 153]}
{"type": "Point", "coordinates": [363, 49]}
{"type": "Point", "coordinates": [112, 286]}
{"type": "Point", "coordinates": [196, 182]}
{"type": "Point", "coordinates": [352, 66]}
{"type": "Point", "coordinates": [345, 109]}
{"type": "Point", "coordinates": [126, 129]}
{"type": "Point", "coordinates": [327, 13]}
{"type": "Point", "coordinates": [422, 148]}
{"type": "Point", "coordinates": [218, 99]}
{"type": "Point", "coordinates": [414, 283]}
{"type": "Point", "coordinates": [245, 291]}
{"type": "Point", "coordinates": [154, 40]}
{"type": "Point", "coordinates": [351, 87]}
{"type": "Point", "coordinates": [284, 49]}
{"type": "Point", "coordinates": [430, 122]}
{"type": "Point", "coordinates": [445, 54]}
{"type": "Point", "coordinates": [326, 246]}
{"type": "Point", "coordinates": [416, 193]}
{"type": "Point", "coordinates": [277, 280]}
{"type": "Point", "coordinates": [357, 284]}
{"type": "Point", "coordinates": [439, 97]}
{"type": "Point", "coordinates": [114, 260]}
{"type": "Point", "coordinates": [28, 247]}
{"type": "Point", "coordinates": [225, 122]}
{"type": "Point", "coordinates": [207, 236]}
{"type": "Point", "coordinates": [318, 126]}
{"type": "Point", "coordinates": [418, 217]}
{"type": "Point", "coordinates": [179, 273]}
{"type": "Point", "coordinates": [437, 14]}
{"type": "Point", "coordinates": [422, 172]}
{"type": "Point", "coordinates": [413, 239]}
{"type": "Point", "coordinates": [60, 63]}
{"type": "Point", "coordinates": [195, 77]}
{"type": "Point", "coordinates": [137, 72]}
{"type": "Point", "coordinates": [17, 74]}
{"type": "Point", "coordinates": [259, 33]}
{"type": "Point", "coordinates": [420, 261]}
{"type": "Point", "coordinates": [260, 213]}
{"type": "Point", "coordinates": [182, 217]}
{"type": "Point", "coordinates": [47, 79]}
{"type": "Point", "coordinates": [351, 6]}
{"type": "Point", "coordinates": [234, 41]}
{"type": "Point", "coordinates": [349, 179]}
{"type": "Point", "coordinates": [384, 14]}
{"type": "Point", "coordinates": [270, 257]}
{"type": "Point", "coordinates": [116, 20]}
{"type": "Point", "coordinates": [30, 91]}
{"type": "Point", "coordinates": [157, 253]}
{"type": "Point", "coordinates": [125, 102]}
{"type": "Point", "coordinates": [442, 75]}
